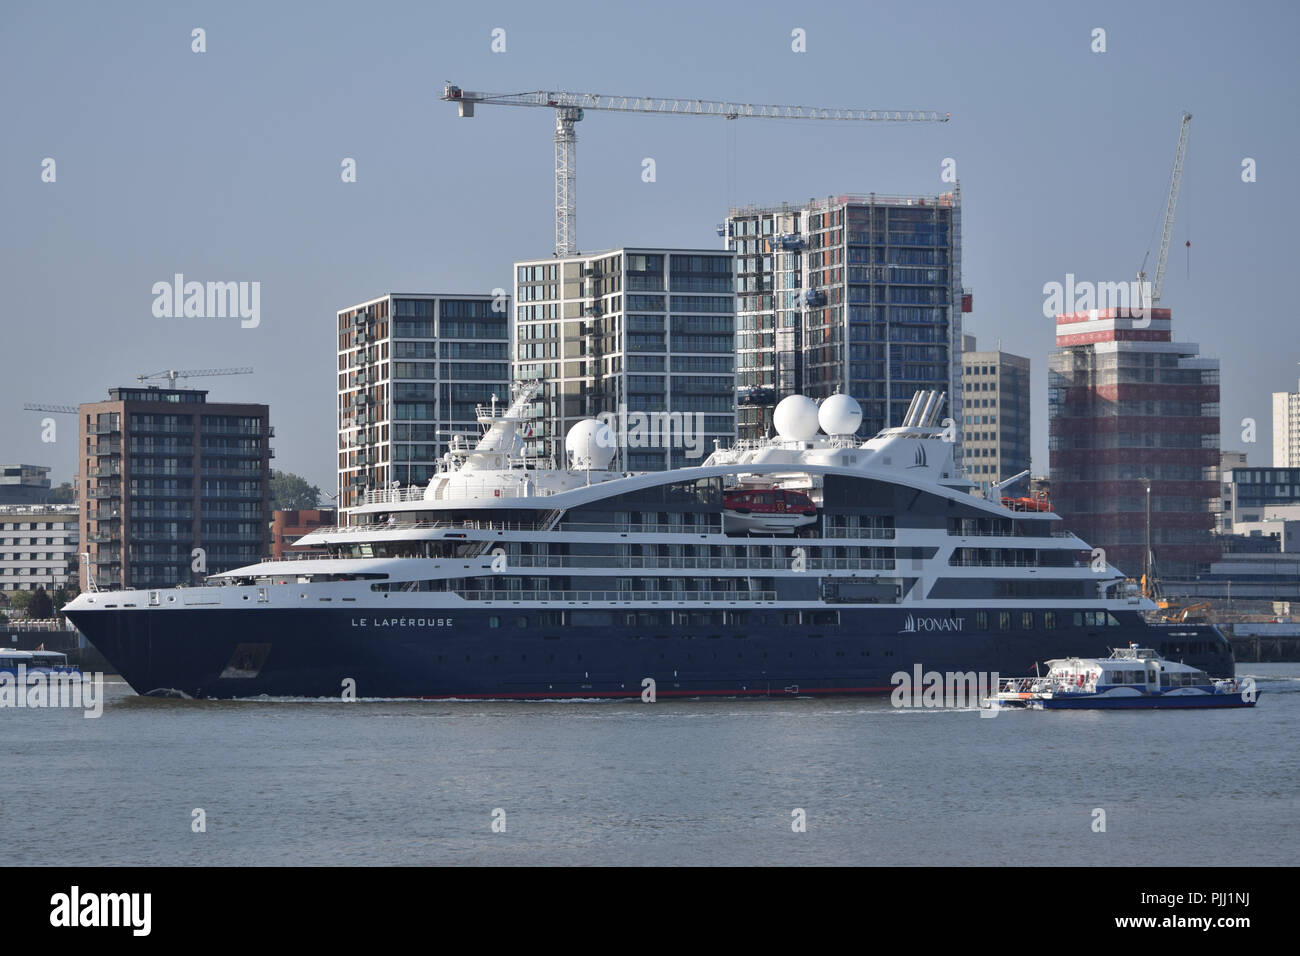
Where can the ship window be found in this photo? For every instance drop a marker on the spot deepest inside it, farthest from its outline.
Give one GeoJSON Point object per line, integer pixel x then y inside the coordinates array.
{"type": "Point", "coordinates": [494, 621]}
{"type": "Point", "coordinates": [1111, 620]}
{"type": "Point", "coordinates": [1004, 620]}
{"type": "Point", "coordinates": [1078, 618]}
{"type": "Point", "coordinates": [1049, 620]}
{"type": "Point", "coordinates": [1027, 620]}
{"type": "Point", "coordinates": [521, 622]}
{"type": "Point", "coordinates": [982, 620]}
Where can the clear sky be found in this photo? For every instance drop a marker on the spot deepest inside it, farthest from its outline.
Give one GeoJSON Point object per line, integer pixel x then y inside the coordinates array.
{"type": "Point", "coordinates": [225, 166]}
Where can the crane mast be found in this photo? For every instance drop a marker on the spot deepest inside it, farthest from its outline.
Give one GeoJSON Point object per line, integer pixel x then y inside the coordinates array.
{"type": "Point", "coordinates": [1175, 183]}
{"type": "Point", "coordinates": [571, 107]}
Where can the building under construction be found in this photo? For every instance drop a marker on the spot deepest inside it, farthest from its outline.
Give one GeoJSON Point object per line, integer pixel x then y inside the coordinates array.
{"type": "Point", "coordinates": [1129, 405]}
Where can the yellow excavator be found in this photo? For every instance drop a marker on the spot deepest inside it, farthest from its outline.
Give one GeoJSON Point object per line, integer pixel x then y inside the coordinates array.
{"type": "Point", "coordinates": [1170, 610]}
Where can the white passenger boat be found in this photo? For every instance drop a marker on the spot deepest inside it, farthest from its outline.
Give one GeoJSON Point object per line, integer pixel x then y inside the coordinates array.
{"type": "Point", "coordinates": [1132, 678]}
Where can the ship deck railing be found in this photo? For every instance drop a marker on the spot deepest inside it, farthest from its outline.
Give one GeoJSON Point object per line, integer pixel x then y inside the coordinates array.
{"type": "Point", "coordinates": [1045, 684]}
{"type": "Point", "coordinates": [1013, 533]}
{"type": "Point", "coordinates": [623, 597]}
{"type": "Point", "coordinates": [466, 525]}
{"type": "Point", "coordinates": [636, 562]}
{"type": "Point", "coordinates": [957, 562]}
{"type": "Point", "coordinates": [700, 563]}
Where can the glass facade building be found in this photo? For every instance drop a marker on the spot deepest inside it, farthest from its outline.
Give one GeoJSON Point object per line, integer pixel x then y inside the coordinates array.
{"type": "Point", "coordinates": [1258, 493]}
{"type": "Point", "coordinates": [628, 332]}
{"type": "Point", "coordinates": [412, 371]}
{"type": "Point", "coordinates": [854, 294]}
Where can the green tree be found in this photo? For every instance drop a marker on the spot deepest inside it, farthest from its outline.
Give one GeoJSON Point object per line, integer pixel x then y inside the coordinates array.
{"type": "Point", "coordinates": [40, 607]}
{"type": "Point", "coordinates": [290, 492]}
{"type": "Point", "coordinates": [20, 600]}
{"type": "Point", "coordinates": [62, 495]}
{"type": "Point", "coordinates": [63, 595]}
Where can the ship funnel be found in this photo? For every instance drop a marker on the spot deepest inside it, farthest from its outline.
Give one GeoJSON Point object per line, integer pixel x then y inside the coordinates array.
{"type": "Point", "coordinates": [909, 418]}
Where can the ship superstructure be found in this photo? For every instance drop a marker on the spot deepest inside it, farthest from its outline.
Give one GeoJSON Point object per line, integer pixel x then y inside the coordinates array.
{"type": "Point", "coordinates": [507, 577]}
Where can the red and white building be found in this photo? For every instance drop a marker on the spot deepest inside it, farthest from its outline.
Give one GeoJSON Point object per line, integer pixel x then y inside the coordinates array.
{"type": "Point", "coordinates": [1126, 404]}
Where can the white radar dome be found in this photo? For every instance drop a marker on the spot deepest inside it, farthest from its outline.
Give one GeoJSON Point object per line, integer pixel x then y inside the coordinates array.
{"type": "Point", "coordinates": [796, 418]}
{"type": "Point", "coordinates": [840, 415]}
{"type": "Point", "coordinates": [590, 445]}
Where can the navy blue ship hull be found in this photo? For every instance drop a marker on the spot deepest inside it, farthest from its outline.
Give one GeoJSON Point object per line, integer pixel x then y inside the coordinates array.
{"type": "Point", "coordinates": [509, 653]}
{"type": "Point", "coordinates": [1151, 702]}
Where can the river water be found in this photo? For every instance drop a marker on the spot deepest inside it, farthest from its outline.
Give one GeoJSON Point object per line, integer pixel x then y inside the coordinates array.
{"type": "Point", "coordinates": [673, 782]}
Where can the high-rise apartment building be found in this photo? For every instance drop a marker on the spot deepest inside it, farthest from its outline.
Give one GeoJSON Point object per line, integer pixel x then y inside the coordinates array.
{"type": "Point", "coordinates": [859, 294]}
{"type": "Point", "coordinates": [412, 371]}
{"type": "Point", "coordinates": [165, 472]}
{"type": "Point", "coordinates": [995, 418]}
{"type": "Point", "coordinates": [625, 333]}
{"type": "Point", "coordinates": [1286, 429]}
{"type": "Point", "coordinates": [1128, 405]}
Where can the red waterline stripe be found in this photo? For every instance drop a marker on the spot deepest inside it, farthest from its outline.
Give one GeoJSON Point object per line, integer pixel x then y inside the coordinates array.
{"type": "Point", "coordinates": [552, 695]}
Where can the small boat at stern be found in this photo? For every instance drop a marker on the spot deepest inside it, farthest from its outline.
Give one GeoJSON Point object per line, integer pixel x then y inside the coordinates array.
{"type": "Point", "coordinates": [1132, 678]}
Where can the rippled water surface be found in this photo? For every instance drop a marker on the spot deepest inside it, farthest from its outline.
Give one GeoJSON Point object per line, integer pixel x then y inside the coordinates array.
{"type": "Point", "coordinates": [675, 782]}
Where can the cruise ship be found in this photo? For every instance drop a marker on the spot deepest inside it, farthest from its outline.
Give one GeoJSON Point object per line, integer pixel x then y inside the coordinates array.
{"type": "Point", "coordinates": [508, 577]}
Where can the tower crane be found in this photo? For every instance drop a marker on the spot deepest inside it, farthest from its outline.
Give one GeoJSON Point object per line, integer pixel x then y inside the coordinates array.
{"type": "Point", "coordinates": [172, 375]}
{"type": "Point", "coordinates": [570, 108]}
{"type": "Point", "coordinates": [1175, 183]}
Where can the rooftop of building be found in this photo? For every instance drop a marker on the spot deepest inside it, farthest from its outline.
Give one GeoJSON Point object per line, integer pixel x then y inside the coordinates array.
{"type": "Point", "coordinates": [38, 473]}
{"type": "Point", "coordinates": [843, 199]}
{"type": "Point", "coordinates": [155, 393]}
{"type": "Point", "coordinates": [602, 253]}
{"type": "Point", "coordinates": [38, 508]}
{"type": "Point", "coordinates": [458, 296]}
{"type": "Point", "coordinates": [995, 355]}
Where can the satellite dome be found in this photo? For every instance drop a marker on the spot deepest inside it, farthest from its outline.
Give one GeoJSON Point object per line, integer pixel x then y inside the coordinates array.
{"type": "Point", "coordinates": [796, 418]}
{"type": "Point", "coordinates": [590, 445]}
{"type": "Point", "coordinates": [840, 415]}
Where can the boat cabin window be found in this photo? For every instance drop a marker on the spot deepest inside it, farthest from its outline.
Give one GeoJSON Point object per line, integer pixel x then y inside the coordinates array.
{"type": "Point", "coordinates": [1184, 678]}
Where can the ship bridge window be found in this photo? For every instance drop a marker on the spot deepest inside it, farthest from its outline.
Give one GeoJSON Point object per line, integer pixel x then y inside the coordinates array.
{"type": "Point", "coordinates": [1095, 619]}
